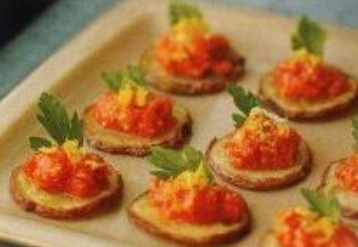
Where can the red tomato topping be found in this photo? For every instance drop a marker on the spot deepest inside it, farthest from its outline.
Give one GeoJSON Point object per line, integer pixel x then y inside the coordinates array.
{"type": "Point", "coordinates": [50, 171]}
{"type": "Point", "coordinates": [301, 79]}
{"type": "Point", "coordinates": [152, 119]}
{"type": "Point", "coordinates": [347, 173]}
{"type": "Point", "coordinates": [195, 59]}
{"type": "Point", "coordinates": [55, 172]}
{"type": "Point", "coordinates": [343, 236]}
{"type": "Point", "coordinates": [261, 144]}
{"type": "Point", "coordinates": [205, 204]}
{"type": "Point", "coordinates": [302, 228]}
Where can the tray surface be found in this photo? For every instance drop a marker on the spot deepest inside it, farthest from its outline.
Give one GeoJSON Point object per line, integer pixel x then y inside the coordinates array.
{"type": "Point", "coordinates": [118, 38]}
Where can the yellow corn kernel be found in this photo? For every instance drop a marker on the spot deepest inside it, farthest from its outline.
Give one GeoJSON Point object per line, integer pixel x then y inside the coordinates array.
{"type": "Point", "coordinates": [193, 24]}
{"type": "Point", "coordinates": [323, 225]}
{"type": "Point", "coordinates": [73, 150]}
{"type": "Point", "coordinates": [188, 29]}
{"type": "Point", "coordinates": [303, 55]}
{"type": "Point", "coordinates": [141, 96]}
{"type": "Point", "coordinates": [189, 179]}
{"type": "Point", "coordinates": [125, 96]}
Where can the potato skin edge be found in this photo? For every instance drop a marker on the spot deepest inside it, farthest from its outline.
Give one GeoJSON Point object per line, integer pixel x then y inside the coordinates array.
{"type": "Point", "coordinates": [92, 209]}
{"type": "Point", "coordinates": [268, 184]}
{"type": "Point", "coordinates": [210, 241]}
{"type": "Point", "coordinates": [332, 112]}
{"type": "Point", "coordinates": [183, 132]}
{"type": "Point", "coordinates": [210, 84]}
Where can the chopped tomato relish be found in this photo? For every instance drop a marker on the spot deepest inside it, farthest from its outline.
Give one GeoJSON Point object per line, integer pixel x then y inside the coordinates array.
{"type": "Point", "coordinates": [151, 119]}
{"type": "Point", "coordinates": [302, 228]}
{"type": "Point", "coordinates": [55, 171]}
{"type": "Point", "coordinates": [263, 144]}
{"type": "Point", "coordinates": [197, 204]}
{"type": "Point", "coordinates": [189, 51]}
{"type": "Point", "coordinates": [306, 77]}
{"type": "Point", "coordinates": [347, 173]}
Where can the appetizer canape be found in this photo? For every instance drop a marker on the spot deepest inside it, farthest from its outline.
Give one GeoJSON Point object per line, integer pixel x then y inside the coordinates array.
{"type": "Point", "coordinates": [61, 179]}
{"type": "Point", "coordinates": [130, 119]}
{"type": "Point", "coordinates": [303, 86]}
{"type": "Point", "coordinates": [316, 226]}
{"type": "Point", "coordinates": [263, 152]}
{"type": "Point", "coordinates": [183, 203]}
{"type": "Point", "coordinates": [341, 179]}
{"type": "Point", "coordinates": [190, 59]}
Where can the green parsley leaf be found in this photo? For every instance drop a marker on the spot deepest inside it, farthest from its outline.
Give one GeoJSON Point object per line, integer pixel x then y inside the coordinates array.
{"type": "Point", "coordinates": [136, 75]}
{"type": "Point", "coordinates": [76, 129]}
{"type": "Point", "coordinates": [245, 101]}
{"type": "Point", "coordinates": [38, 142]}
{"type": "Point", "coordinates": [132, 76]}
{"type": "Point", "coordinates": [181, 10]}
{"type": "Point", "coordinates": [54, 118]}
{"type": "Point", "coordinates": [309, 35]}
{"type": "Point", "coordinates": [325, 205]}
{"type": "Point", "coordinates": [168, 163]}
{"type": "Point", "coordinates": [113, 80]}
{"type": "Point", "coordinates": [355, 131]}
{"type": "Point", "coordinates": [238, 118]}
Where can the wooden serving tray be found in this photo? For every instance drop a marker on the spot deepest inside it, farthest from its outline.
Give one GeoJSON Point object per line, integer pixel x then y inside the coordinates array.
{"type": "Point", "coordinates": [118, 38]}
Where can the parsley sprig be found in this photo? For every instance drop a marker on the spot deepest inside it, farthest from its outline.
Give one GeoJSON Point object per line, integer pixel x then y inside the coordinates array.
{"type": "Point", "coordinates": [181, 10]}
{"type": "Point", "coordinates": [55, 119]}
{"type": "Point", "coordinates": [168, 163]}
{"type": "Point", "coordinates": [324, 205]}
{"type": "Point", "coordinates": [132, 76]}
{"type": "Point", "coordinates": [245, 101]}
{"type": "Point", "coordinates": [309, 35]}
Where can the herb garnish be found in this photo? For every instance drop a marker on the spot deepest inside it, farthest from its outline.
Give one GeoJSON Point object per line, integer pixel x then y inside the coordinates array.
{"type": "Point", "coordinates": [181, 10]}
{"type": "Point", "coordinates": [245, 102]}
{"type": "Point", "coordinates": [132, 76]}
{"type": "Point", "coordinates": [309, 35]}
{"type": "Point", "coordinates": [325, 205]}
{"type": "Point", "coordinates": [55, 119]}
{"type": "Point", "coordinates": [168, 163]}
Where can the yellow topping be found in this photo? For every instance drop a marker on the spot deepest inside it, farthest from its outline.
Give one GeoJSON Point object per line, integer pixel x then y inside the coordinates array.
{"type": "Point", "coordinates": [188, 29]}
{"type": "Point", "coordinates": [311, 223]}
{"type": "Point", "coordinates": [128, 95]}
{"type": "Point", "coordinates": [141, 96]}
{"type": "Point", "coordinates": [261, 122]}
{"type": "Point", "coordinates": [323, 225]}
{"type": "Point", "coordinates": [304, 55]}
{"type": "Point", "coordinates": [125, 96]}
{"type": "Point", "coordinates": [72, 149]}
{"type": "Point", "coordinates": [190, 179]}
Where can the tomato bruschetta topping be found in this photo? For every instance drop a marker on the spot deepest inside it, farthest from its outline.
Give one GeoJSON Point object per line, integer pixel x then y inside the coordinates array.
{"type": "Point", "coordinates": [67, 170]}
{"type": "Point", "coordinates": [62, 165]}
{"type": "Point", "coordinates": [131, 108]}
{"type": "Point", "coordinates": [305, 76]}
{"type": "Point", "coordinates": [318, 226]}
{"type": "Point", "coordinates": [149, 120]}
{"type": "Point", "coordinates": [262, 140]}
{"type": "Point", "coordinates": [189, 49]}
{"type": "Point", "coordinates": [301, 227]}
{"type": "Point", "coordinates": [183, 190]}
{"type": "Point", "coordinates": [263, 143]}
{"type": "Point", "coordinates": [346, 173]}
